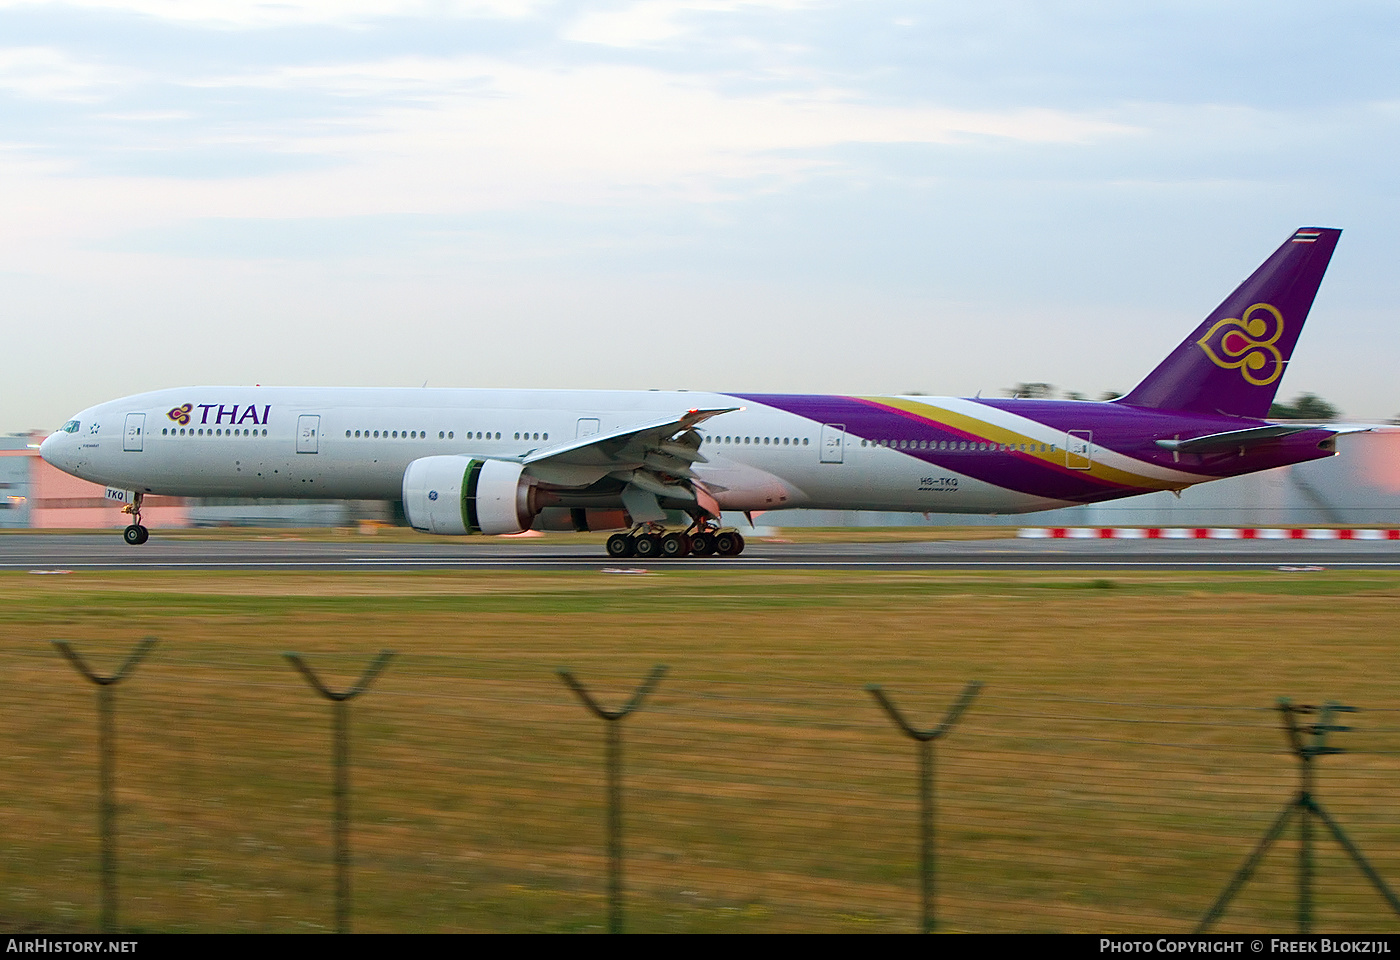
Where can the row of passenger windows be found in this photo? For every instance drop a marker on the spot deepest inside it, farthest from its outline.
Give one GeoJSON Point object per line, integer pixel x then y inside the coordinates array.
{"type": "Point", "coordinates": [442, 435]}
{"type": "Point", "coordinates": [775, 441]}
{"type": "Point", "coordinates": [361, 434]}
{"type": "Point", "coordinates": [212, 432]}
{"type": "Point", "coordinates": [396, 434]}
{"type": "Point", "coordinates": [962, 446]}
{"type": "Point", "coordinates": [958, 446]}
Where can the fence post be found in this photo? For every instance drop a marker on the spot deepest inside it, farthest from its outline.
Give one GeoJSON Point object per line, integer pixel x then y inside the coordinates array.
{"type": "Point", "coordinates": [925, 738]}
{"type": "Point", "coordinates": [1306, 741]}
{"type": "Point", "coordinates": [341, 762]}
{"type": "Point", "coordinates": [614, 765]}
{"type": "Point", "coordinates": [106, 751]}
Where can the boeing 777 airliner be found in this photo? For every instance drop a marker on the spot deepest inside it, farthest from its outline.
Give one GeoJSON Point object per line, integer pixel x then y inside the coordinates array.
{"type": "Point", "coordinates": [470, 461]}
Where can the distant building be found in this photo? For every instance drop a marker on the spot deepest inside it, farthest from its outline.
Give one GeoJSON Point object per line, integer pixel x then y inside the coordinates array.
{"type": "Point", "coordinates": [36, 495]}
{"type": "Point", "coordinates": [15, 468]}
{"type": "Point", "coordinates": [41, 496]}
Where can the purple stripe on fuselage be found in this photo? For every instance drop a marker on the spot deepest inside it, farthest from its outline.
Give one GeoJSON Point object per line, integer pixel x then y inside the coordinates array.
{"type": "Point", "coordinates": [1021, 472]}
{"type": "Point", "coordinates": [1131, 431]}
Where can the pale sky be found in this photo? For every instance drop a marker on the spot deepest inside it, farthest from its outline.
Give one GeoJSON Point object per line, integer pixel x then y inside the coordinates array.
{"type": "Point", "coordinates": [775, 195]}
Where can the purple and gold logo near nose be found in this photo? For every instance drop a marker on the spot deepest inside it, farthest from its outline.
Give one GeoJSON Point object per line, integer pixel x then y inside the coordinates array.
{"type": "Point", "coordinates": [1248, 344]}
{"type": "Point", "coordinates": [181, 414]}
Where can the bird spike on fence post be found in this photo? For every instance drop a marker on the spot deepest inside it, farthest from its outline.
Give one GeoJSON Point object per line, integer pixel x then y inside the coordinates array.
{"type": "Point", "coordinates": [925, 738]}
{"type": "Point", "coordinates": [1306, 741]}
{"type": "Point", "coordinates": [341, 789]}
{"type": "Point", "coordinates": [106, 753]}
{"type": "Point", "coordinates": [614, 764]}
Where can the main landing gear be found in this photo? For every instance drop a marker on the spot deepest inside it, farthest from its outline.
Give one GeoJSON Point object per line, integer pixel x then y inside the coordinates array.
{"type": "Point", "coordinates": [136, 534]}
{"type": "Point", "coordinates": [650, 541]}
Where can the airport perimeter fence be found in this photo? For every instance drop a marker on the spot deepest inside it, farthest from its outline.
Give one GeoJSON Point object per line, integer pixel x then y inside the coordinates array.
{"type": "Point", "coordinates": [751, 803]}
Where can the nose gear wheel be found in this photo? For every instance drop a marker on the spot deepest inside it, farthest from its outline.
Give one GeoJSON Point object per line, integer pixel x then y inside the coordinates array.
{"type": "Point", "coordinates": [135, 534]}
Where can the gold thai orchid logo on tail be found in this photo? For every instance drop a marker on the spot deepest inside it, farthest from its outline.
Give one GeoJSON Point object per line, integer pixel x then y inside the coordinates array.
{"type": "Point", "coordinates": [1248, 343]}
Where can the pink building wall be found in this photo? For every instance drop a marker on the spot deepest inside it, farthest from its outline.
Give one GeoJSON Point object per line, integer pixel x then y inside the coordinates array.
{"type": "Point", "coordinates": [58, 501]}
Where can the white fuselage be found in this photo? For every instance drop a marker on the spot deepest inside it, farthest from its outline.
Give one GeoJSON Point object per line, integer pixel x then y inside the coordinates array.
{"type": "Point", "coordinates": [356, 443]}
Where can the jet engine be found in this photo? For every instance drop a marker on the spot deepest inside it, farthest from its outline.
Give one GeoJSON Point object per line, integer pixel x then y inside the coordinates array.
{"type": "Point", "coordinates": [456, 496]}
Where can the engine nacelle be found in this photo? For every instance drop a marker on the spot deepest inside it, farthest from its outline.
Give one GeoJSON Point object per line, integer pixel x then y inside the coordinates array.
{"type": "Point", "coordinates": [456, 496]}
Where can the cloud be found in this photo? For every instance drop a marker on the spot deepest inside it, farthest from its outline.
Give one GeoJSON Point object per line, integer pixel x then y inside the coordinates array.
{"type": "Point", "coordinates": [657, 22]}
{"type": "Point", "coordinates": [430, 136]}
{"type": "Point", "coordinates": [233, 14]}
{"type": "Point", "coordinates": [47, 73]}
{"type": "Point", "coordinates": [459, 133]}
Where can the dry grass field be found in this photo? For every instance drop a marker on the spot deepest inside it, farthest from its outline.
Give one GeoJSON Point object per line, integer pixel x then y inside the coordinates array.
{"type": "Point", "coordinates": [1120, 764]}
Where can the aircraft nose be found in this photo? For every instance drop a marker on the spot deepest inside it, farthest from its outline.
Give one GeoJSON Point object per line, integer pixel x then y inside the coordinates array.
{"type": "Point", "coordinates": [57, 449]}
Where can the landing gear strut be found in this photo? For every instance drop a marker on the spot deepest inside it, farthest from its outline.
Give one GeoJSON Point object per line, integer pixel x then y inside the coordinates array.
{"type": "Point", "coordinates": [135, 534]}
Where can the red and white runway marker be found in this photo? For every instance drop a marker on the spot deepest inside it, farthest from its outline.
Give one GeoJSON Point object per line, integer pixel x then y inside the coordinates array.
{"type": "Point", "coordinates": [1207, 533]}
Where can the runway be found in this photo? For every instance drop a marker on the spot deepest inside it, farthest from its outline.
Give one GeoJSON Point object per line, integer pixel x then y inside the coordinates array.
{"type": "Point", "coordinates": [44, 552]}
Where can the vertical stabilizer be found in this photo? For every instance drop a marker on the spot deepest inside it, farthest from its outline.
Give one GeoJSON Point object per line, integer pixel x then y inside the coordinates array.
{"type": "Point", "coordinates": [1233, 362]}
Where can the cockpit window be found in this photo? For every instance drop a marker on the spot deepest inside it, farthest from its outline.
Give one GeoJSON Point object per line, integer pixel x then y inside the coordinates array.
{"type": "Point", "coordinates": [72, 426]}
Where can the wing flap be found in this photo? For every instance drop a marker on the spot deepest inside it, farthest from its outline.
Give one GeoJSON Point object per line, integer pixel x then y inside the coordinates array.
{"type": "Point", "coordinates": [627, 447]}
{"type": "Point", "coordinates": [654, 459]}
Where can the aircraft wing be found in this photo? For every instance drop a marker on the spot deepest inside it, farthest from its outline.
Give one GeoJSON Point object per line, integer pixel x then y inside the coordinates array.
{"type": "Point", "coordinates": [655, 456]}
{"type": "Point", "coordinates": [1238, 439]}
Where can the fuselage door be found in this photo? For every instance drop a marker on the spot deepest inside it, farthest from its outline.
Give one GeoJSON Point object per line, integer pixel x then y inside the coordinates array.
{"type": "Point", "coordinates": [1079, 449]}
{"type": "Point", "coordinates": [833, 442]}
{"type": "Point", "coordinates": [131, 435]}
{"type": "Point", "coordinates": [308, 429]}
{"type": "Point", "coordinates": [587, 427]}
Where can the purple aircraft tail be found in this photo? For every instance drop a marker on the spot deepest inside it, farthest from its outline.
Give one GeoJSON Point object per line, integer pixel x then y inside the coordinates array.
{"type": "Point", "coordinates": [1233, 362]}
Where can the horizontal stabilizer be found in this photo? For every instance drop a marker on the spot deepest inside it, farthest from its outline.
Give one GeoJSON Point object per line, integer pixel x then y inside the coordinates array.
{"type": "Point", "coordinates": [1234, 439]}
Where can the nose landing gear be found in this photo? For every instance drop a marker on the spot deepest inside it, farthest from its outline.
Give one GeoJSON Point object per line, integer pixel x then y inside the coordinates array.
{"type": "Point", "coordinates": [135, 534]}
